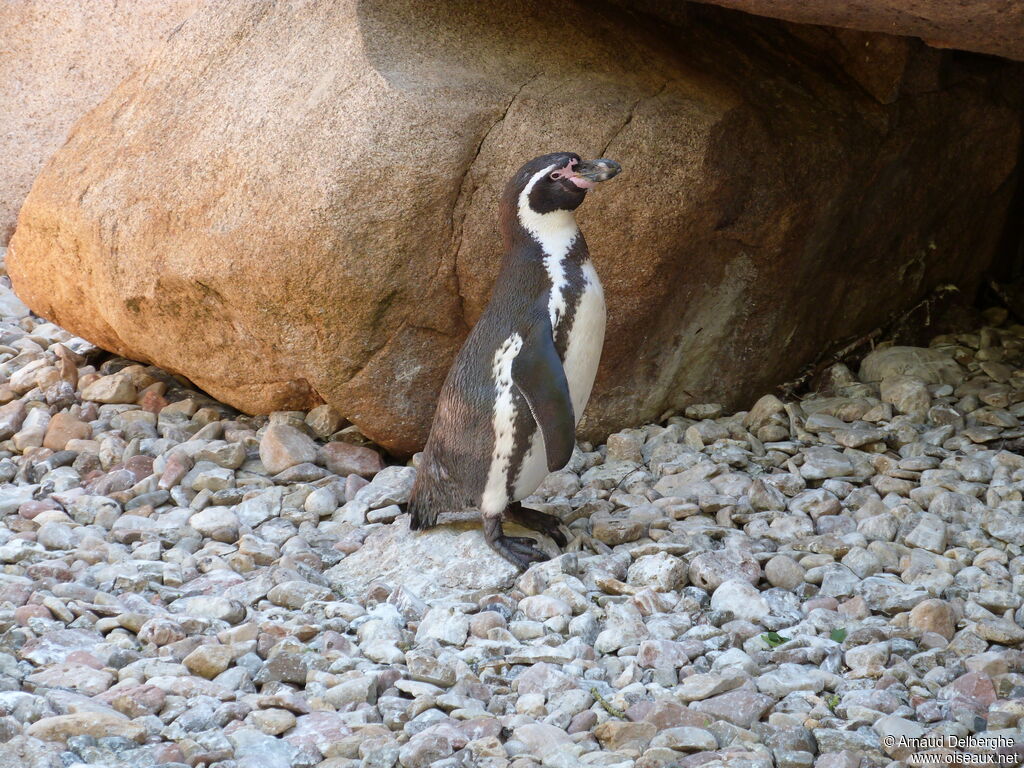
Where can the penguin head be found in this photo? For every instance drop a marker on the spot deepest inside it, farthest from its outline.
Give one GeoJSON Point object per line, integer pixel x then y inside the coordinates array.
{"type": "Point", "coordinates": [556, 182]}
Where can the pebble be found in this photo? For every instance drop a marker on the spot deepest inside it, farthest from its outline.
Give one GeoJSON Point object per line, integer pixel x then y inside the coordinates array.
{"type": "Point", "coordinates": [62, 428]}
{"type": "Point", "coordinates": [784, 572]}
{"type": "Point", "coordinates": [741, 599]}
{"type": "Point", "coordinates": [283, 446]}
{"type": "Point", "coordinates": [345, 459]}
{"type": "Point", "coordinates": [296, 593]}
{"type": "Point", "coordinates": [273, 721]}
{"type": "Point", "coordinates": [708, 570]}
{"type": "Point", "coordinates": [933, 615]}
{"type": "Point", "coordinates": [117, 388]}
{"type": "Point", "coordinates": [209, 660]}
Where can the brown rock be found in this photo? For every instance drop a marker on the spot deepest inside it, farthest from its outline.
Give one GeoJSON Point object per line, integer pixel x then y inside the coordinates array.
{"type": "Point", "coordinates": [346, 459]}
{"type": "Point", "coordinates": [324, 421]}
{"type": "Point", "coordinates": [209, 660]}
{"type": "Point", "coordinates": [98, 724]}
{"type": "Point", "coordinates": [12, 416]}
{"type": "Point", "coordinates": [272, 721]}
{"type": "Point", "coordinates": [284, 446]}
{"type": "Point", "coordinates": [666, 714]}
{"type": "Point", "coordinates": [30, 509]}
{"type": "Point", "coordinates": [141, 466]}
{"type": "Point", "coordinates": [934, 615]}
{"type": "Point", "coordinates": [116, 388]}
{"type": "Point", "coordinates": [987, 26]}
{"type": "Point", "coordinates": [78, 677]}
{"type": "Point", "coordinates": [341, 255]}
{"type": "Point", "coordinates": [32, 611]}
{"type": "Point", "coordinates": [741, 707]}
{"type": "Point", "coordinates": [64, 427]}
{"type": "Point", "coordinates": [59, 60]}
{"type": "Point", "coordinates": [139, 700]}
{"type": "Point", "coordinates": [616, 734]}
{"type": "Point", "coordinates": [974, 689]}
{"type": "Point", "coordinates": [152, 400]}
{"type": "Point", "coordinates": [177, 466]}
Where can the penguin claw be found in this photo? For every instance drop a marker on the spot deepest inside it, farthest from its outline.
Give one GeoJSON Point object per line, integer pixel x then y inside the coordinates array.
{"type": "Point", "coordinates": [521, 551]}
{"type": "Point", "coordinates": [538, 521]}
{"type": "Point", "coordinates": [520, 554]}
{"type": "Point", "coordinates": [520, 542]}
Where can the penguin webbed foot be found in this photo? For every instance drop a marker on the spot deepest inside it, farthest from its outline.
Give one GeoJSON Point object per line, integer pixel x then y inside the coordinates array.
{"type": "Point", "coordinates": [521, 551]}
{"type": "Point", "coordinates": [517, 551]}
{"type": "Point", "coordinates": [537, 521]}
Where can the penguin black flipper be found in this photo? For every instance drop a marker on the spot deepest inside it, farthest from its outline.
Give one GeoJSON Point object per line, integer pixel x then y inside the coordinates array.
{"type": "Point", "coordinates": [538, 373]}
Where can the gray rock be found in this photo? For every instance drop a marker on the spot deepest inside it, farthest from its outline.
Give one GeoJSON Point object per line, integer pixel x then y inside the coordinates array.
{"type": "Point", "coordinates": [218, 523]}
{"type": "Point", "coordinates": [661, 572]}
{"type": "Point", "coordinates": [907, 394]}
{"type": "Point", "coordinates": [741, 599]}
{"type": "Point", "coordinates": [821, 463]}
{"type": "Point", "coordinates": [209, 607]}
{"type": "Point", "coordinates": [739, 707]}
{"type": "Point", "coordinates": [446, 561]}
{"type": "Point", "coordinates": [703, 686]}
{"type": "Point", "coordinates": [294, 593]}
{"type": "Point", "coordinates": [932, 366]}
{"type": "Point", "coordinates": [784, 572]}
{"type": "Point", "coordinates": [444, 624]}
{"type": "Point", "coordinates": [709, 569]}
{"type": "Point", "coordinates": [929, 533]}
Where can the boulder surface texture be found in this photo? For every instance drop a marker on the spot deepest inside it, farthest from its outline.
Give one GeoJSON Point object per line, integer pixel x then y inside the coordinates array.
{"type": "Point", "coordinates": [987, 26]}
{"type": "Point", "coordinates": [59, 58]}
{"type": "Point", "coordinates": [296, 202]}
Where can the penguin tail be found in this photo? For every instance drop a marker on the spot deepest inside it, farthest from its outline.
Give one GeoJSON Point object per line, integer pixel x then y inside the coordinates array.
{"type": "Point", "coordinates": [431, 493]}
{"type": "Point", "coordinates": [422, 512]}
{"type": "Point", "coordinates": [421, 516]}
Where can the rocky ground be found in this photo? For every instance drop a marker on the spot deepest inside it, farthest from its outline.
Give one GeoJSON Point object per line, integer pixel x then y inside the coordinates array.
{"type": "Point", "coordinates": [808, 583]}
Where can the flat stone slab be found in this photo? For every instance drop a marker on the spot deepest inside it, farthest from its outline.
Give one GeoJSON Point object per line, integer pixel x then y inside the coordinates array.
{"type": "Point", "coordinates": [451, 560]}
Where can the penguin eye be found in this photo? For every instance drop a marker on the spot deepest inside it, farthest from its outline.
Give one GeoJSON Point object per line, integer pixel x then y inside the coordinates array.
{"type": "Point", "coordinates": [555, 175]}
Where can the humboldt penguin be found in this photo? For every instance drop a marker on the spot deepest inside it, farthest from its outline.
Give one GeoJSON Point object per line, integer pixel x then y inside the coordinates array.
{"type": "Point", "coordinates": [508, 410]}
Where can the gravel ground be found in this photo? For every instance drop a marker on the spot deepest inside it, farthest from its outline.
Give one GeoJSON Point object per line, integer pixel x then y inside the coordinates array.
{"type": "Point", "coordinates": [814, 583]}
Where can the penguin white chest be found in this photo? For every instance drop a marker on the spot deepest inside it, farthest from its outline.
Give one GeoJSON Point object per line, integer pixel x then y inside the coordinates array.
{"type": "Point", "coordinates": [584, 311]}
{"type": "Point", "coordinates": [586, 338]}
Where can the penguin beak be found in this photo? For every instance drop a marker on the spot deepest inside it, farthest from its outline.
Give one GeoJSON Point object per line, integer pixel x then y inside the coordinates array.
{"type": "Point", "coordinates": [589, 173]}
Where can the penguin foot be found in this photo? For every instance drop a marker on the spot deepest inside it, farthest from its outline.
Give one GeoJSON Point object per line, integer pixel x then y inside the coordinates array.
{"type": "Point", "coordinates": [517, 551]}
{"type": "Point", "coordinates": [521, 551]}
{"type": "Point", "coordinates": [537, 521]}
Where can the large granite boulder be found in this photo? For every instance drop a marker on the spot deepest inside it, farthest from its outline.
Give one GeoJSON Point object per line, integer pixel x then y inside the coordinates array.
{"type": "Point", "coordinates": [296, 202]}
{"type": "Point", "coordinates": [988, 26]}
{"type": "Point", "coordinates": [59, 59]}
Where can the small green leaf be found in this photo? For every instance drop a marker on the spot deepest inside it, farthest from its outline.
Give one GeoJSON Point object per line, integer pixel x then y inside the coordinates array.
{"type": "Point", "coordinates": [774, 639]}
{"type": "Point", "coordinates": [838, 635]}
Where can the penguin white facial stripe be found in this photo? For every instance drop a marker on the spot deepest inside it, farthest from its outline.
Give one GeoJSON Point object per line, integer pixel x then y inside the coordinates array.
{"type": "Point", "coordinates": [555, 232]}
{"type": "Point", "coordinates": [495, 495]}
